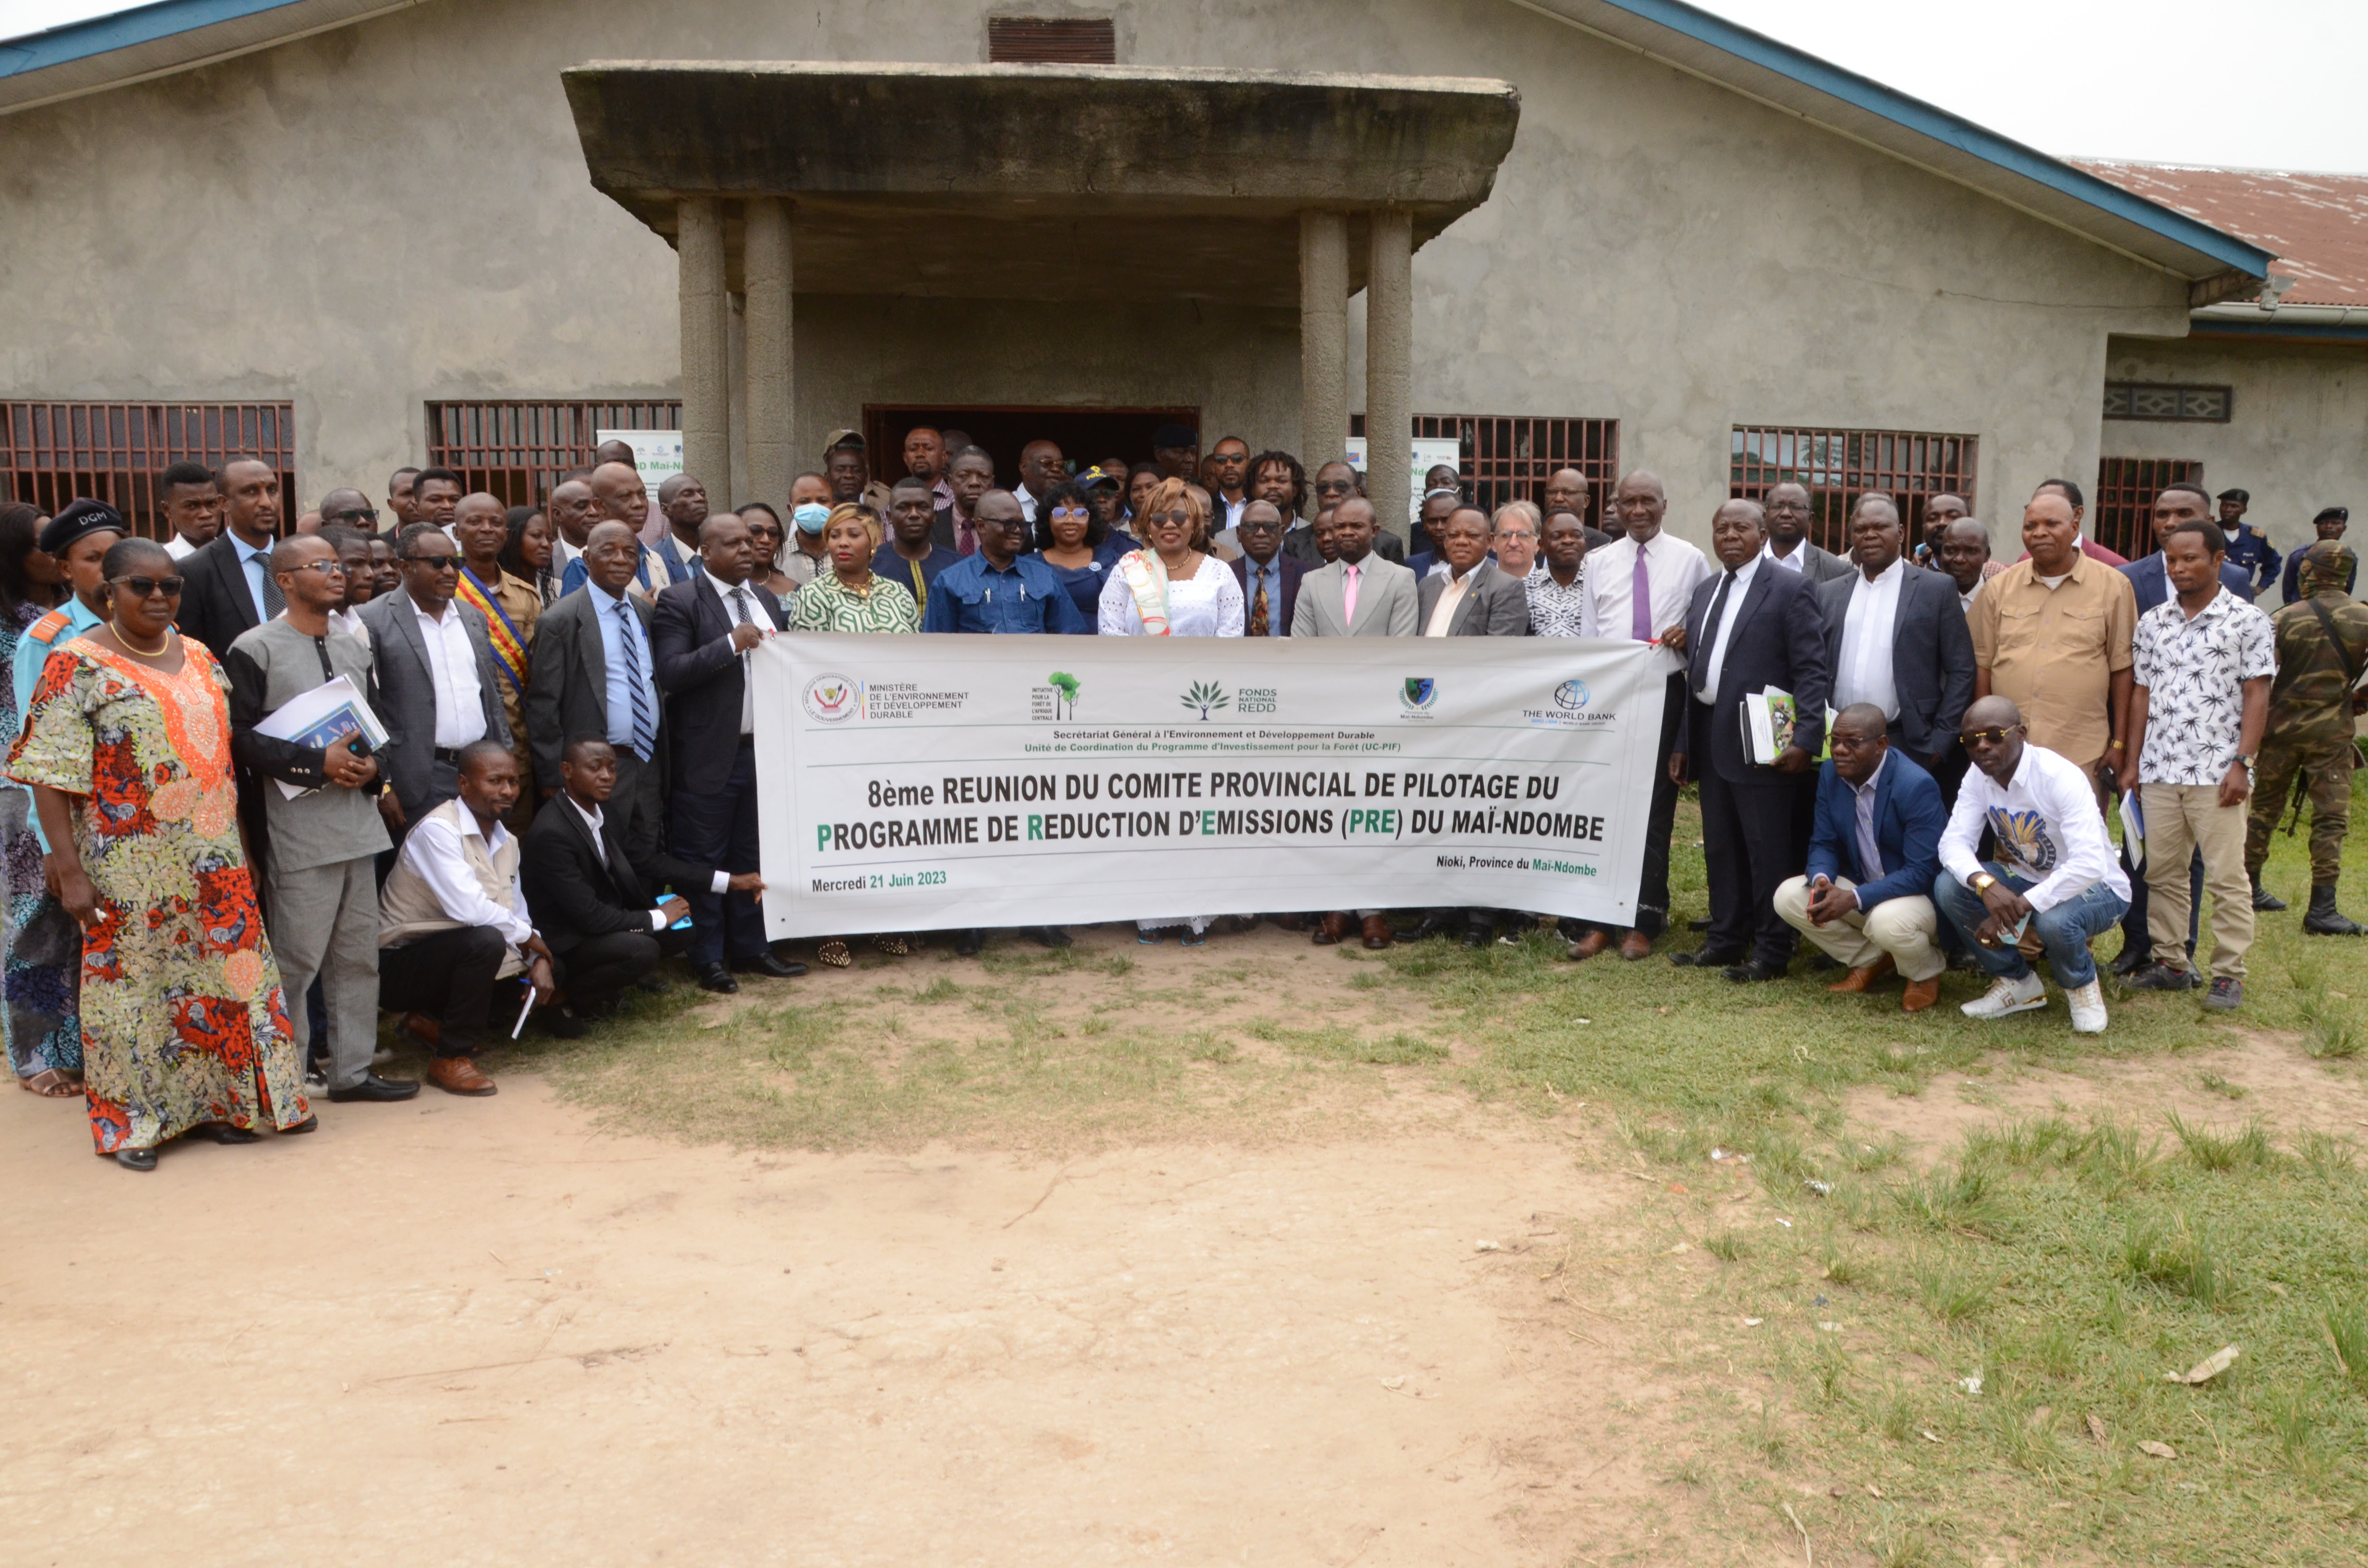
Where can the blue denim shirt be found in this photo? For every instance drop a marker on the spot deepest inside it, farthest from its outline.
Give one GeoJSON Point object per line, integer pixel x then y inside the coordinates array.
{"type": "Point", "coordinates": [32, 654]}
{"type": "Point", "coordinates": [972, 596]}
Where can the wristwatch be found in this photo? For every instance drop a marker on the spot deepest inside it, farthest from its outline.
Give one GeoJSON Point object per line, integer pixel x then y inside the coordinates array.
{"type": "Point", "coordinates": [1981, 881]}
{"type": "Point", "coordinates": [2246, 757]}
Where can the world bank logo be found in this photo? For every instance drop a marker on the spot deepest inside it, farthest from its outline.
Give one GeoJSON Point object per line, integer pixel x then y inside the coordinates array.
{"type": "Point", "coordinates": [1419, 694]}
{"type": "Point", "coordinates": [831, 698]}
{"type": "Point", "coordinates": [1572, 695]}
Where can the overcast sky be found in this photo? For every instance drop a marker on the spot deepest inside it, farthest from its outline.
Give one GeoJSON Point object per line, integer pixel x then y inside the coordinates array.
{"type": "Point", "coordinates": [2166, 81]}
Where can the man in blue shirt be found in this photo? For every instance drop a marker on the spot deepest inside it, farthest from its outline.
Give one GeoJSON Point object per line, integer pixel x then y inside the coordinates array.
{"type": "Point", "coordinates": [999, 589]}
{"type": "Point", "coordinates": [2249, 549]}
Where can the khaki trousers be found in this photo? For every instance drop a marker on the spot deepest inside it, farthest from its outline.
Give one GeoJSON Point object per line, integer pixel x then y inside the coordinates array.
{"type": "Point", "coordinates": [1906, 928]}
{"type": "Point", "coordinates": [2180, 820]}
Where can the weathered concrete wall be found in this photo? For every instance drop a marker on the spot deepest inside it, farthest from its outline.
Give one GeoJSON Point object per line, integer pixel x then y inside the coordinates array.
{"type": "Point", "coordinates": [2297, 436]}
{"type": "Point", "coordinates": [398, 211]}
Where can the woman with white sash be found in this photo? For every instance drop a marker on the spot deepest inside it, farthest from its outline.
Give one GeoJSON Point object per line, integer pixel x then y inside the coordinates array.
{"type": "Point", "coordinates": [1171, 587]}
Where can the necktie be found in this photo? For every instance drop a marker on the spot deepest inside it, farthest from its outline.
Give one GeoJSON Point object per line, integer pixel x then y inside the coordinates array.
{"type": "Point", "coordinates": [1348, 593]}
{"type": "Point", "coordinates": [274, 601]}
{"type": "Point", "coordinates": [748, 688]}
{"type": "Point", "coordinates": [965, 535]}
{"type": "Point", "coordinates": [1640, 601]}
{"type": "Point", "coordinates": [1710, 632]}
{"type": "Point", "coordinates": [646, 720]}
{"type": "Point", "coordinates": [1258, 609]}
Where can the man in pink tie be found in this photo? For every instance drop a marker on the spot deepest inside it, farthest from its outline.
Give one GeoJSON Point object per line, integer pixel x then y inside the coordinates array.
{"type": "Point", "coordinates": [1638, 587]}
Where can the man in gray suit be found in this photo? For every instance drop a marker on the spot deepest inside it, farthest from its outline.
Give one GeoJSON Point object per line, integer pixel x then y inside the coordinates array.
{"type": "Point", "coordinates": [594, 674]}
{"type": "Point", "coordinates": [1360, 595]}
{"type": "Point", "coordinates": [432, 668]}
{"type": "Point", "coordinates": [1788, 538]}
{"type": "Point", "coordinates": [1474, 597]}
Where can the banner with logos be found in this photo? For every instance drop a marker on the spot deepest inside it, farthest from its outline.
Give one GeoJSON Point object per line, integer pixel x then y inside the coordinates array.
{"type": "Point", "coordinates": [929, 782]}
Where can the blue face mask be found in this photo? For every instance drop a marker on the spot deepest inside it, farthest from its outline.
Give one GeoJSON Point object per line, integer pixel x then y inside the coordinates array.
{"type": "Point", "coordinates": [810, 516]}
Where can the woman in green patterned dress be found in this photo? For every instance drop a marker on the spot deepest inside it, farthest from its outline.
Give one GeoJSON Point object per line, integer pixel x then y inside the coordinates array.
{"type": "Point", "coordinates": [848, 598]}
{"type": "Point", "coordinates": [127, 748]}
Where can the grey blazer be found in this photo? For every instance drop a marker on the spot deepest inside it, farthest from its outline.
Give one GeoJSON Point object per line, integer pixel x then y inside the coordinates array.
{"type": "Point", "coordinates": [1495, 605]}
{"type": "Point", "coordinates": [567, 686]}
{"type": "Point", "coordinates": [405, 696]}
{"type": "Point", "coordinates": [1822, 565]}
{"type": "Point", "coordinates": [1387, 603]}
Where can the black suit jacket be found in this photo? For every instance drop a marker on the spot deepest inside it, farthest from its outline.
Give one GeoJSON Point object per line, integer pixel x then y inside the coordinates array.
{"type": "Point", "coordinates": [941, 530]}
{"type": "Point", "coordinates": [577, 887]}
{"type": "Point", "coordinates": [700, 674]}
{"type": "Point", "coordinates": [567, 684]}
{"type": "Point", "coordinates": [1278, 616]}
{"type": "Point", "coordinates": [1777, 639]}
{"type": "Point", "coordinates": [216, 605]}
{"type": "Point", "coordinates": [1931, 656]}
{"type": "Point", "coordinates": [1299, 544]}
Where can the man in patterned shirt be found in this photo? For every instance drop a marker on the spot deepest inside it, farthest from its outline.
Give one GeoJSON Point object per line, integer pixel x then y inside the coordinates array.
{"type": "Point", "coordinates": [1558, 587]}
{"type": "Point", "coordinates": [2201, 663]}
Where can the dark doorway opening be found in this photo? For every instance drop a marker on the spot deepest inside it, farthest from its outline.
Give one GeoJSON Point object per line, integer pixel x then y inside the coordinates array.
{"type": "Point", "coordinates": [1086, 436]}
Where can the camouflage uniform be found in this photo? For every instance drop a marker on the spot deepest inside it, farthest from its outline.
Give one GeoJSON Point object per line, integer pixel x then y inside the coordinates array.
{"type": "Point", "coordinates": [2310, 724]}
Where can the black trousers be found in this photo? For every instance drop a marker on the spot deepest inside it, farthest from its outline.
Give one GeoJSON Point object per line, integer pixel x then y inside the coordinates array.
{"type": "Point", "coordinates": [1750, 844]}
{"type": "Point", "coordinates": [449, 976]}
{"type": "Point", "coordinates": [2133, 921]}
{"type": "Point", "coordinates": [597, 970]}
{"type": "Point", "coordinates": [720, 829]}
{"type": "Point", "coordinates": [1660, 819]}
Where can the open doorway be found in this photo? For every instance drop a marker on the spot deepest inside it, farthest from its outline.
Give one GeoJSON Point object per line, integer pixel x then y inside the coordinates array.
{"type": "Point", "coordinates": [1086, 436]}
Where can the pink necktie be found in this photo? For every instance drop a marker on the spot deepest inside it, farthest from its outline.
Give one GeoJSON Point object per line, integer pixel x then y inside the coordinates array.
{"type": "Point", "coordinates": [1349, 594]}
{"type": "Point", "coordinates": [1640, 601]}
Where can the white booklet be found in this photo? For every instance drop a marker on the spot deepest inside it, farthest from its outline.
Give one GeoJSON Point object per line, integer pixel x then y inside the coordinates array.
{"type": "Point", "coordinates": [1767, 717]}
{"type": "Point", "coordinates": [320, 719]}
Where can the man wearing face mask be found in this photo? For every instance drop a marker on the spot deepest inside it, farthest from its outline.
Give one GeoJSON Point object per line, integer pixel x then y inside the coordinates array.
{"type": "Point", "coordinates": [805, 560]}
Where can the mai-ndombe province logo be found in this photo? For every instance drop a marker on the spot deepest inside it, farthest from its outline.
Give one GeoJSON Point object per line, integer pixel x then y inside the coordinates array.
{"type": "Point", "coordinates": [831, 698]}
{"type": "Point", "coordinates": [1419, 694]}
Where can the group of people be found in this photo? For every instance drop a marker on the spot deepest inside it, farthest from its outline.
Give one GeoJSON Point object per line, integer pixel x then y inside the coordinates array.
{"type": "Point", "coordinates": [533, 779]}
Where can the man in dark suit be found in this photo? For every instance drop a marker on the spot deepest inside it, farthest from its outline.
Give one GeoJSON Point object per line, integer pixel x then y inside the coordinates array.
{"type": "Point", "coordinates": [594, 673]}
{"type": "Point", "coordinates": [702, 633]}
{"type": "Point", "coordinates": [592, 899]}
{"type": "Point", "coordinates": [1269, 579]}
{"type": "Point", "coordinates": [432, 666]}
{"type": "Point", "coordinates": [1788, 537]}
{"type": "Point", "coordinates": [1485, 602]}
{"type": "Point", "coordinates": [1896, 637]}
{"type": "Point", "coordinates": [1866, 895]}
{"type": "Point", "coordinates": [2179, 503]}
{"type": "Point", "coordinates": [1750, 629]}
{"type": "Point", "coordinates": [227, 586]}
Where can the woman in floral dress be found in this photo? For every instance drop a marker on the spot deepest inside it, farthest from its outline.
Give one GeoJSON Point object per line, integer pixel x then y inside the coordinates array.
{"type": "Point", "coordinates": [127, 748]}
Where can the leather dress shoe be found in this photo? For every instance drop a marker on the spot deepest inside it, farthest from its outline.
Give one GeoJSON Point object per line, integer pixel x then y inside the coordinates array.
{"type": "Point", "coordinates": [1701, 924]}
{"type": "Point", "coordinates": [373, 1087]}
{"type": "Point", "coordinates": [1334, 929]}
{"type": "Point", "coordinates": [768, 963]}
{"type": "Point", "coordinates": [1377, 932]}
{"type": "Point", "coordinates": [1921, 994]}
{"type": "Point", "coordinates": [1636, 944]}
{"type": "Point", "coordinates": [136, 1159]}
{"type": "Point", "coordinates": [1054, 936]}
{"type": "Point", "coordinates": [1591, 942]}
{"type": "Point", "coordinates": [655, 983]}
{"type": "Point", "coordinates": [716, 977]}
{"type": "Point", "coordinates": [312, 1123]}
{"type": "Point", "coordinates": [224, 1133]}
{"type": "Point", "coordinates": [561, 1023]}
{"type": "Point", "coordinates": [1858, 980]}
{"type": "Point", "coordinates": [1752, 971]}
{"type": "Point", "coordinates": [456, 1075]}
{"type": "Point", "coordinates": [420, 1027]}
{"type": "Point", "coordinates": [1477, 937]}
{"type": "Point", "coordinates": [1707, 958]}
{"type": "Point", "coordinates": [2133, 957]}
{"type": "Point", "coordinates": [967, 945]}
{"type": "Point", "coordinates": [1429, 925]}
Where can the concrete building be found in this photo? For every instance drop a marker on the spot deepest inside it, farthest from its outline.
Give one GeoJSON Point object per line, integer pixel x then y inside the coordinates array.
{"type": "Point", "coordinates": [384, 232]}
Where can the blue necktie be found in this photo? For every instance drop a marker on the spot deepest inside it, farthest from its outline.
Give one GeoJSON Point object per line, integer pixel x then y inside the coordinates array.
{"type": "Point", "coordinates": [646, 722]}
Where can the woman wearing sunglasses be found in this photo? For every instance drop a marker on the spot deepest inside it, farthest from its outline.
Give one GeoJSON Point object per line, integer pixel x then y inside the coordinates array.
{"type": "Point", "coordinates": [1079, 547]}
{"type": "Point", "coordinates": [127, 748]}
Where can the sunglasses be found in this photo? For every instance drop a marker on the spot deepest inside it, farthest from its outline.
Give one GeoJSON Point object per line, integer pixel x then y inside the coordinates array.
{"type": "Point", "coordinates": [1986, 737]}
{"type": "Point", "coordinates": [1333, 487]}
{"type": "Point", "coordinates": [439, 562]}
{"type": "Point", "coordinates": [149, 587]}
{"type": "Point", "coordinates": [354, 515]}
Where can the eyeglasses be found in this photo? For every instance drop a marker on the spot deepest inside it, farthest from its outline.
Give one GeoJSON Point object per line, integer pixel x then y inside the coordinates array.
{"type": "Point", "coordinates": [1986, 737]}
{"type": "Point", "coordinates": [354, 515]}
{"type": "Point", "coordinates": [326, 568]}
{"type": "Point", "coordinates": [439, 562]}
{"type": "Point", "coordinates": [149, 587]}
{"type": "Point", "coordinates": [1334, 486]}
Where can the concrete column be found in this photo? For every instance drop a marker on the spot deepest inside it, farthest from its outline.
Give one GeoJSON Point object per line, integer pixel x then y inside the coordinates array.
{"type": "Point", "coordinates": [706, 353]}
{"type": "Point", "coordinates": [1389, 369]}
{"type": "Point", "coordinates": [1322, 338]}
{"type": "Point", "coordinates": [771, 401]}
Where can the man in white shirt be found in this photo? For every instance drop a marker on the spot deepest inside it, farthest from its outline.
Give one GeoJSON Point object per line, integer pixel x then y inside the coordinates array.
{"type": "Point", "coordinates": [434, 669]}
{"type": "Point", "coordinates": [193, 506]}
{"type": "Point", "coordinates": [1639, 587]}
{"type": "Point", "coordinates": [2056, 877]}
{"type": "Point", "coordinates": [453, 923]}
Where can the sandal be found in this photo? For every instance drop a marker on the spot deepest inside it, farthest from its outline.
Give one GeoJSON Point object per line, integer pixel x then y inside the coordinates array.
{"type": "Point", "coordinates": [1191, 939]}
{"type": "Point", "coordinates": [834, 953]}
{"type": "Point", "coordinates": [895, 947]}
{"type": "Point", "coordinates": [50, 1083]}
{"type": "Point", "coordinates": [1152, 937]}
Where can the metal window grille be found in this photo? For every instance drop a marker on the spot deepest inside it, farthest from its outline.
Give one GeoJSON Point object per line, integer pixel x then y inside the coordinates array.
{"type": "Point", "coordinates": [2161, 402]}
{"type": "Point", "coordinates": [1510, 458]}
{"type": "Point", "coordinates": [2122, 503]}
{"type": "Point", "coordinates": [1838, 466]}
{"type": "Point", "coordinates": [1050, 40]}
{"type": "Point", "coordinates": [53, 452]}
{"type": "Point", "coordinates": [518, 450]}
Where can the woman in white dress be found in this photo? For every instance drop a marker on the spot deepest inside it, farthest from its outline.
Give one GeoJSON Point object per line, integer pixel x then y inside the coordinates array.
{"type": "Point", "coordinates": [1171, 587]}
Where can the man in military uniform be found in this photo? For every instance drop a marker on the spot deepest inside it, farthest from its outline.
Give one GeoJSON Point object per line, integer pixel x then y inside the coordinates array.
{"type": "Point", "coordinates": [2322, 648]}
{"type": "Point", "coordinates": [2249, 548]}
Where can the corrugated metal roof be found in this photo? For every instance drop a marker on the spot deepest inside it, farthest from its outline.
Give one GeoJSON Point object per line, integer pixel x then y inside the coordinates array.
{"type": "Point", "coordinates": [2317, 225]}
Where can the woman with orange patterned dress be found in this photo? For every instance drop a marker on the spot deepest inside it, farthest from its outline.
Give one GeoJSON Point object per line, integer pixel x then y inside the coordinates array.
{"type": "Point", "coordinates": [127, 748]}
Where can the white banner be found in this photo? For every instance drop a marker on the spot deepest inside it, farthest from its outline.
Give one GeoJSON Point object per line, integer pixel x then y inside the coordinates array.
{"type": "Point", "coordinates": [929, 782]}
{"type": "Point", "coordinates": [657, 454]}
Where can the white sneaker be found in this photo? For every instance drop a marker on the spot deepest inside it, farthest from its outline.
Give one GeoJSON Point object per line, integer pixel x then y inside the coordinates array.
{"type": "Point", "coordinates": [2006, 997]}
{"type": "Point", "coordinates": [2087, 1009]}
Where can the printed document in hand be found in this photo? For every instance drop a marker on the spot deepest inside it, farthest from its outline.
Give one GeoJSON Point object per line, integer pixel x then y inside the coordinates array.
{"type": "Point", "coordinates": [320, 719]}
{"type": "Point", "coordinates": [1767, 717]}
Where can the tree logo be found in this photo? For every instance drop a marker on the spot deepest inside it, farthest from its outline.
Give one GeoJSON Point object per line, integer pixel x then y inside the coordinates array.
{"type": "Point", "coordinates": [1206, 694]}
{"type": "Point", "coordinates": [1066, 687]}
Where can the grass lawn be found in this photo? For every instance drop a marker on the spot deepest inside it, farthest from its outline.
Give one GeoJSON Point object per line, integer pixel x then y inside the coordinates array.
{"type": "Point", "coordinates": [1947, 1348]}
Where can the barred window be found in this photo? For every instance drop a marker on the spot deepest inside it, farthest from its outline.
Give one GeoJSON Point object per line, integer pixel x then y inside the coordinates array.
{"type": "Point", "coordinates": [51, 453]}
{"type": "Point", "coordinates": [518, 450]}
{"type": "Point", "coordinates": [1511, 456]}
{"type": "Point", "coordinates": [2122, 506]}
{"type": "Point", "coordinates": [1838, 466]}
{"type": "Point", "coordinates": [1050, 40]}
{"type": "Point", "coordinates": [2158, 401]}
